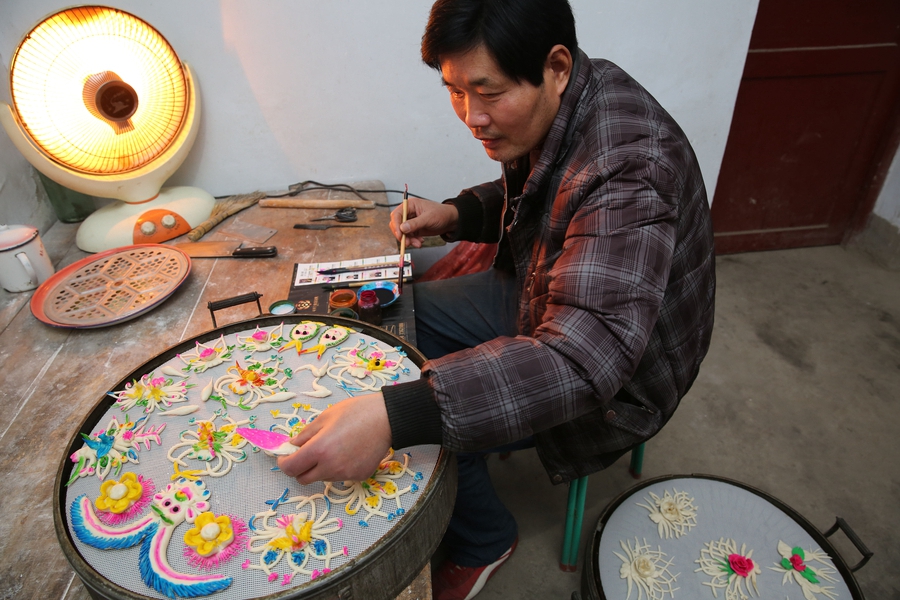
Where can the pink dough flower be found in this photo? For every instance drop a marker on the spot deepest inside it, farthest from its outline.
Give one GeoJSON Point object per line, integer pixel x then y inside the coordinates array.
{"type": "Point", "coordinates": [797, 563]}
{"type": "Point", "coordinates": [741, 565]}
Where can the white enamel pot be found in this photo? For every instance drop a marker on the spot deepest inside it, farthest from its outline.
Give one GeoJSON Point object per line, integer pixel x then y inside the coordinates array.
{"type": "Point", "coordinates": [24, 263]}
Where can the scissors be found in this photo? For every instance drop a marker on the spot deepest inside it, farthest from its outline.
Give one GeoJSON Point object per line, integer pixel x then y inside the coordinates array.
{"type": "Point", "coordinates": [344, 215]}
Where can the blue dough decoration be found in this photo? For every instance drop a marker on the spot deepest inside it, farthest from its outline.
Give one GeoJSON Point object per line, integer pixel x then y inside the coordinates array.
{"type": "Point", "coordinates": [146, 532]}
{"type": "Point", "coordinates": [83, 533]}
{"type": "Point", "coordinates": [174, 590]}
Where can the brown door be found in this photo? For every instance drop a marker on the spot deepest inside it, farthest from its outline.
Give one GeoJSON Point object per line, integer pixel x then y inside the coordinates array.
{"type": "Point", "coordinates": [813, 127]}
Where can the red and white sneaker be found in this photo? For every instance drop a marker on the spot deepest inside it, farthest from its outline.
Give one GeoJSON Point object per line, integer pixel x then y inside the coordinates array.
{"type": "Point", "coordinates": [453, 582]}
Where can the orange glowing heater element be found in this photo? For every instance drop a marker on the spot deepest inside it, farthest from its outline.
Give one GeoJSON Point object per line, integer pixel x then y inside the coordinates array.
{"type": "Point", "coordinates": [116, 101]}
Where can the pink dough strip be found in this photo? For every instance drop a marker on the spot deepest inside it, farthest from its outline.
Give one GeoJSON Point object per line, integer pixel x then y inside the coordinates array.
{"type": "Point", "coordinates": [101, 528]}
{"type": "Point", "coordinates": [270, 441]}
{"type": "Point", "coordinates": [161, 564]}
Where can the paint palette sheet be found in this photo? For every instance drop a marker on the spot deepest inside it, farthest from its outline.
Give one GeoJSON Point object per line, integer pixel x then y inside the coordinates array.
{"type": "Point", "coordinates": [385, 268]}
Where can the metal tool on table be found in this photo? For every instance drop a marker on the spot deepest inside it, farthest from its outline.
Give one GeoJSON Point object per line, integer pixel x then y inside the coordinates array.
{"type": "Point", "coordinates": [225, 250]}
{"type": "Point", "coordinates": [344, 215]}
{"type": "Point", "coordinates": [321, 226]}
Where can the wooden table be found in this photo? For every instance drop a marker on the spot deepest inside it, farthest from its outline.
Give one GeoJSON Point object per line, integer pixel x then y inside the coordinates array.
{"type": "Point", "coordinates": [51, 378]}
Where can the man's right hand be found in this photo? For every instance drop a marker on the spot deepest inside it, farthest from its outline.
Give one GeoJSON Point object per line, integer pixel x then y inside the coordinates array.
{"type": "Point", "coordinates": [423, 218]}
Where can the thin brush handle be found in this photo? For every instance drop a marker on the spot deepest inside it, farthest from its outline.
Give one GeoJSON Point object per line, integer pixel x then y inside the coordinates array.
{"type": "Point", "coordinates": [403, 235]}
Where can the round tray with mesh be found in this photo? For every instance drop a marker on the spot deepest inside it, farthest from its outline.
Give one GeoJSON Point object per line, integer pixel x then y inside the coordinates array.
{"type": "Point", "coordinates": [371, 555]}
{"type": "Point", "coordinates": [110, 287]}
{"type": "Point", "coordinates": [727, 514]}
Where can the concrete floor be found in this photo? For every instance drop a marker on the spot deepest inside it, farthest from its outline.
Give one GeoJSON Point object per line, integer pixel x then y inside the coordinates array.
{"type": "Point", "coordinates": [799, 396]}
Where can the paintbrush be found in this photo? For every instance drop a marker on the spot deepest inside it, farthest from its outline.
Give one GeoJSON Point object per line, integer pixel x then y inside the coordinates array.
{"type": "Point", "coordinates": [372, 267]}
{"type": "Point", "coordinates": [403, 236]}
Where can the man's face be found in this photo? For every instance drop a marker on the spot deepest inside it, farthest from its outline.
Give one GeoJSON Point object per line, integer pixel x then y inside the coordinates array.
{"type": "Point", "coordinates": [509, 118]}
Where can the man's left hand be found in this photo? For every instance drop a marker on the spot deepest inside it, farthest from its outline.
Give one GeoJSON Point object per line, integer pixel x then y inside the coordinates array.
{"type": "Point", "coordinates": [345, 443]}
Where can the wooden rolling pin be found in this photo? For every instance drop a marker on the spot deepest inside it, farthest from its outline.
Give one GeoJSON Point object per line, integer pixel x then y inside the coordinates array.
{"type": "Point", "coordinates": [314, 203]}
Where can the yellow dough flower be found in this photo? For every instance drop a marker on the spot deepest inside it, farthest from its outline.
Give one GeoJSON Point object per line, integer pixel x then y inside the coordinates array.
{"type": "Point", "coordinates": [118, 496]}
{"type": "Point", "coordinates": [210, 533]}
{"type": "Point", "coordinates": [294, 539]}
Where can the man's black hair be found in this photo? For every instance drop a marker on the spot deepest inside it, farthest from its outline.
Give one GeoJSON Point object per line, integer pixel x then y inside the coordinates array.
{"type": "Point", "coordinates": [517, 33]}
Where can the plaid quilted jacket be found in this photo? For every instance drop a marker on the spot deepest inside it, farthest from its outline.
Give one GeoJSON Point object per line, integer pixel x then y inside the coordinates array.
{"type": "Point", "coordinates": [611, 243]}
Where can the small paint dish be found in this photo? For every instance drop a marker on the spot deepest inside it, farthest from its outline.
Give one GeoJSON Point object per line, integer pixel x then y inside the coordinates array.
{"type": "Point", "coordinates": [344, 312]}
{"type": "Point", "coordinates": [282, 307]}
{"type": "Point", "coordinates": [387, 291]}
{"type": "Point", "coordinates": [342, 298]}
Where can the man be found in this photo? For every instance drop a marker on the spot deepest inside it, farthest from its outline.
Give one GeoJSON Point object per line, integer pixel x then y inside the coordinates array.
{"type": "Point", "coordinates": [593, 321]}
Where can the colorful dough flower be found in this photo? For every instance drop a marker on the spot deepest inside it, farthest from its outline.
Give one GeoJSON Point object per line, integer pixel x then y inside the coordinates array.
{"type": "Point", "coordinates": [111, 448]}
{"type": "Point", "coordinates": [206, 356]}
{"type": "Point", "coordinates": [262, 340]}
{"type": "Point", "coordinates": [150, 392]}
{"type": "Point", "coordinates": [118, 496]}
{"type": "Point", "coordinates": [730, 569]}
{"type": "Point", "coordinates": [210, 534]}
{"type": "Point", "coordinates": [794, 566]}
{"type": "Point", "coordinates": [216, 447]}
{"type": "Point", "coordinates": [370, 493]}
{"type": "Point", "coordinates": [254, 385]}
{"type": "Point", "coordinates": [297, 538]}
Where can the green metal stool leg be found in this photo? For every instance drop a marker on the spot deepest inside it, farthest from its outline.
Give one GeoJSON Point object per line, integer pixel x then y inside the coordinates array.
{"type": "Point", "coordinates": [574, 519]}
{"type": "Point", "coordinates": [637, 462]}
{"type": "Point", "coordinates": [579, 518]}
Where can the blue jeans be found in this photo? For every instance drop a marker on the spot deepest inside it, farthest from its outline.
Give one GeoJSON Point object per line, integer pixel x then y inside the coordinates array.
{"type": "Point", "coordinates": [454, 314]}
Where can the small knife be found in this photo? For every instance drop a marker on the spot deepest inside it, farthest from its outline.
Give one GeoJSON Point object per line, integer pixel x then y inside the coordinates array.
{"type": "Point", "coordinates": [321, 226]}
{"type": "Point", "coordinates": [269, 441]}
{"type": "Point", "coordinates": [225, 250]}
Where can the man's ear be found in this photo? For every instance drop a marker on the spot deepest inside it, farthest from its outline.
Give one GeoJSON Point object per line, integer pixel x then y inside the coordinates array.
{"type": "Point", "coordinates": [558, 67]}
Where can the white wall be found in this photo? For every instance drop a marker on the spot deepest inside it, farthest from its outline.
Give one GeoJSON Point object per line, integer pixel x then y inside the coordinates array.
{"type": "Point", "coordinates": [22, 198]}
{"type": "Point", "coordinates": [335, 91]}
{"type": "Point", "coordinates": [888, 204]}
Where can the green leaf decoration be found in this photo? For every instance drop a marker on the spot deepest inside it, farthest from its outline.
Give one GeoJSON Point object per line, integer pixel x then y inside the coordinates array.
{"type": "Point", "coordinates": [76, 471]}
{"type": "Point", "coordinates": [799, 552]}
{"type": "Point", "coordinates": [786, 564]}
{"type": "Point", "coordinates": [809, 575]}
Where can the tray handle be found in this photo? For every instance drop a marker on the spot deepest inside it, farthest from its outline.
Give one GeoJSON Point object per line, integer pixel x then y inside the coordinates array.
{"type": "Point", "coordinates": [215, 305]}
{"type": "Point", "coordinates": [841, 524]}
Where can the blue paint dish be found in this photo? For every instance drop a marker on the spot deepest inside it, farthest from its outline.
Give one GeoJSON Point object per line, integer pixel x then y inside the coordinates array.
{"type": "Point", "coordinates": [387, 291]}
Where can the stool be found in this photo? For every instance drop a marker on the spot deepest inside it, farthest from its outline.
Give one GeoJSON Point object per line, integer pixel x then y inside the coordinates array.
{"type": "Point", "coordinates": [575, 512]}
